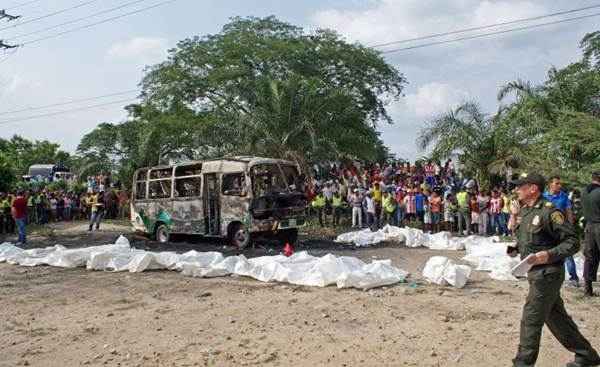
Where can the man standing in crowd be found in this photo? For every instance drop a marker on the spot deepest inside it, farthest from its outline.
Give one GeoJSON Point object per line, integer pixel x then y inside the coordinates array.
{"type": "Point", "coordinates": [419, 204]}
{"type": "Point", "coordinates": [561, 201]}
{"type": "Point", "coordinates": [388, 210]}
{"type": "Point", "coordinates": [318, 204]}
{"type": "Point", "coordinates": [8, 223]}
{"type": "Point", "coordinates": [590, 200]}
{"type": "Point", "coordinates": [19, 213]}
{"type": "Point", "coordinates": [464, 217]}
{"type": "Point", "coordinates": [98, 207]}
{"type": "Point", "coordinates": [356, 203]}
{"type": "Point", "coordinates": [545, 238]}
{"type": "Point", "coordinates": [336, 207]}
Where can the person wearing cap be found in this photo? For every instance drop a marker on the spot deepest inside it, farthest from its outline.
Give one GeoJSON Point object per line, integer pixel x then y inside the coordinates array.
{"type": "Point", "coordinates": [590, 201]}
{"type": "Point", "coordinates": [545, 238]}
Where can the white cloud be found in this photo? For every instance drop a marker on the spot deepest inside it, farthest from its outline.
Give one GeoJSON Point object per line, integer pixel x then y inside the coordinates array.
{"type": "Point", "coordinates": [491, 12]}
{"type": "Point", "coordinates": [146, 49]}
{"type": "Point", "coordinates": [391, 20]}
{"type": "Point", "coordinates": [434, 98]}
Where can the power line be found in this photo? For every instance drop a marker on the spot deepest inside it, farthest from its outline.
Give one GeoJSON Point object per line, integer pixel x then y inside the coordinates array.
{"type": "Point", "coordinates": [50, 14]}
{"type": "Point", "coordinates": [66, 111]}
{"type": "Point", "coordinates": [77, 20]}
{"type": "Point", "coordinates": [435, 35]}
{"type": "Point", "coordinates": [491, 33]}
{"type": "Point", "coordinates": [67, 102]}
{"type": "Point", "coordinates": [23, 4]}
{"type": "Point", "coordinates": [98, 23]}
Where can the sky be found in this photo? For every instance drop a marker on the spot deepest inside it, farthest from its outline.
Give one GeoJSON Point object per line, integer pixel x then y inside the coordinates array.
{"type": "Point", "coordinates": [111, 57]}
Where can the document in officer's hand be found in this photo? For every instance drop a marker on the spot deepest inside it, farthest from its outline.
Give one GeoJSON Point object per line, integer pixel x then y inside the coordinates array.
{"type": "Point", "coordinates": [520, 270]}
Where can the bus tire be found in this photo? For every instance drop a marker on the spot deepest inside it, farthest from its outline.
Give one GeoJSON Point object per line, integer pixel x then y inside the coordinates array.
{"type": "Point", "coordinates": [238, 235]}
{"type": "Point", "coordinates": [161, 234]}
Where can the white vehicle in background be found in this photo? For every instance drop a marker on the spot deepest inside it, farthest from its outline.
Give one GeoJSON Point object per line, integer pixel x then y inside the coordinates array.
{"type": "Point", "coordinates": [49, 173]}
{"type": "Point", "coordinates": [237, 199]}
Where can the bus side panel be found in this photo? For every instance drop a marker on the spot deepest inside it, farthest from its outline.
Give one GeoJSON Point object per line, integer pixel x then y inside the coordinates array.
{"type": "Point", "coordinates": [148, 212]}
{"type": "Point", "coordinates": [187, 216]}
{"type": "Point", "coordinates": [234, 209]}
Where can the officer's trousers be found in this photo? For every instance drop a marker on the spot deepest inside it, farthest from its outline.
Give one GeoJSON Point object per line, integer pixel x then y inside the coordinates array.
{"type": "Point", "coordinates": [591, 251]}
{"type": "Point", "coordinates": [464, 221]}
{"type": "Point", "coordinates": [545, 306]}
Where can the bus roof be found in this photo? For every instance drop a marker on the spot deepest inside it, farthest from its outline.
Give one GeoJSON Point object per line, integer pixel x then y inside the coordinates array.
{"type": "Point", "coordinates": [243, 160]}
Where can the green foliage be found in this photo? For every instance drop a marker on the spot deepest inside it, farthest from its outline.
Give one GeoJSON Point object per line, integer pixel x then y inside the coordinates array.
{"type": "Point", "coordinates": [58, 186]}
{"type": "Point", "coordinates": [263, 86]}
{"type": "Point", "coordinates": [483, 149]}
{"type": "Point", "coordinates": [7, 173]}
{"type": "Point", "coordinates": [553, 128]}
{"type": "Point", "coordinates": [23, 153]}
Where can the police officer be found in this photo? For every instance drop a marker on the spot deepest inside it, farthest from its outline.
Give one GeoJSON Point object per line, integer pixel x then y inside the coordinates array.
{"type": "Point", "coordinates": [545, 238]}
{"type": "Point", "coordinates": [590, 200]}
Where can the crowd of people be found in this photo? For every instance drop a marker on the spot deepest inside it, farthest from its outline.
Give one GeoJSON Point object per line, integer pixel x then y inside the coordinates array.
{"type": "Point", "coordinates": [47, 206]}
{"type": "Point", "coordinates": [431, 196]}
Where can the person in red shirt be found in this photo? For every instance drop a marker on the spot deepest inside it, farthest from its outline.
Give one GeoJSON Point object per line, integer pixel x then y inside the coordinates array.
{"type": "Point", "coordinates": [436, 205]}
{"type": "Point", "coordinates": [19, 213]}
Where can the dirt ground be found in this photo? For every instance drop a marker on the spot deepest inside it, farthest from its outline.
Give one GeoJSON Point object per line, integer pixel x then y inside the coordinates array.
{"type": "Point", "coordinates": [74, 317]}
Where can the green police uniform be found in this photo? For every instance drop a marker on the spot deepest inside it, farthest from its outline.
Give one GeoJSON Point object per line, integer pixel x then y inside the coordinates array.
{"type": "Point", "coordinates": [590, 200]}
{"type": "Point", "coordinates": [542, 227]}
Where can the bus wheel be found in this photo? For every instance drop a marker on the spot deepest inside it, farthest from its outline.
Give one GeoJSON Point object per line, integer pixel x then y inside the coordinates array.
{"type": "Point", "coordinates": [239, 235]}
{"type": "Point", "coordinates": [162, 234]}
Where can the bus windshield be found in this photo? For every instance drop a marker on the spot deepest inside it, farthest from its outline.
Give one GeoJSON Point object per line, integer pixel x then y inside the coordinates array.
{"type": "Point", "coordinates": [271, 178]}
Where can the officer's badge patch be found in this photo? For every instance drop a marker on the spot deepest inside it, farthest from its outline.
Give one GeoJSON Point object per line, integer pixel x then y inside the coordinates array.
{"type": "Point", "coordinates": [536, 220]}
{"type": "Point", "coordinates": [557, 218]}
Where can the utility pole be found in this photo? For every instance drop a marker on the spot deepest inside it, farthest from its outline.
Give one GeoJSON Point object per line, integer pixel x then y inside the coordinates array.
{"type": "Point", "coordinates": [7, 46]}
{"type": "Point", "coordinates": [5, 15]}
{"type": "Point", "coordinates": [10, 18]}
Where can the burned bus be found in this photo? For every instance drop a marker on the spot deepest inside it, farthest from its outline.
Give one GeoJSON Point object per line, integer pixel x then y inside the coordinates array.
{"type": "Point", "coordinates": [237, 199]}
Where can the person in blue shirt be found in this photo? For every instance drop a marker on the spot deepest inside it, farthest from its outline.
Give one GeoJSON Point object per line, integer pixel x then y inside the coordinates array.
{"type": "Point", "coordinates": [419, 204]}
{"type": "Point", "coordinates": [561, 200]}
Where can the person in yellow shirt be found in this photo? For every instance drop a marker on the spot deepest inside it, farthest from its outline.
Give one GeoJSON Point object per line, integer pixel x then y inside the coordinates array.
{"type": "Point", "coordinates": [318, 204]}
{"type": "Point", "coordinates": [377, 199]}
{"type": "Point", "coordinates": [388, 204]}
{"type": "Point", "coordinates": [337, 204]}
{"type": "Point", "coordinates": [464, 217]}
{"type": "Point", "coordinates": [98, 210]}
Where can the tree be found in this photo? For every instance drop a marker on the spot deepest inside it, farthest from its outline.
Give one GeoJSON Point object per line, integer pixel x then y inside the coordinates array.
{"type": "Point", "coordinates": [480, 140]}
{"type": "Point", "coordinates": [147, 138]}
{"type": "Point", "coordinates": [7, 173]}
{"type": "Point", "coordinates": [23, 153]}
{"type": "Point", "coordinates": [268, 87]}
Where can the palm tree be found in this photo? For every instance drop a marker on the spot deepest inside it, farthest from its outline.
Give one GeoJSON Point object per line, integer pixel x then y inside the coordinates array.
{"type": "Point", "coordinates": [531, 96]}
{"type": "Point", "coordinates": [466, 130]}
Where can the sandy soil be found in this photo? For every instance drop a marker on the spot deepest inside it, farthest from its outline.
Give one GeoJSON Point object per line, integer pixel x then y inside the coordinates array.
{"type": "Point", "coordinates": [74, 317]}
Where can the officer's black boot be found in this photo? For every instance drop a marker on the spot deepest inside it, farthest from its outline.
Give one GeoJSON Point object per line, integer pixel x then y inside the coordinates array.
{"type": "Point", "coordinates": [580, 364]}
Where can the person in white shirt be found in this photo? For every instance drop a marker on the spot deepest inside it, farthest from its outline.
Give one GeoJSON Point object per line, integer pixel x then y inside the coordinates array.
{"type": "Point", "coordinates": [370, 209]}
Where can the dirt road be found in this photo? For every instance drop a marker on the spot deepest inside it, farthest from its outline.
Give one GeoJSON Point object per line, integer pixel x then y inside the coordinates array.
{"type": "Point", "coordinates": [75, 317]}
